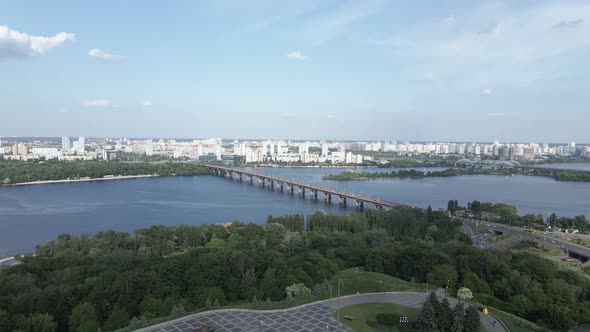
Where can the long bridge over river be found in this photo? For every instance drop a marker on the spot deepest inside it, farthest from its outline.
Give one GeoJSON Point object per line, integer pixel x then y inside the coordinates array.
{"type": "Point", "coordinates": [289, 186]}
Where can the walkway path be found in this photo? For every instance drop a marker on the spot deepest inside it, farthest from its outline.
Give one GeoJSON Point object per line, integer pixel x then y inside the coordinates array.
{"type": "Point", "coordinates": [309, 317]}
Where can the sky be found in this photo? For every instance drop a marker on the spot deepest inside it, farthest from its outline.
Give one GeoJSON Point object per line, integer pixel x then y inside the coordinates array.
{"type": "Point", "coordinates": [439, 70]}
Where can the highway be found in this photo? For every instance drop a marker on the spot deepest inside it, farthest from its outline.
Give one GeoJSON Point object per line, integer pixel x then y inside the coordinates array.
{"type": "Point", "coordinates": [521, 233]}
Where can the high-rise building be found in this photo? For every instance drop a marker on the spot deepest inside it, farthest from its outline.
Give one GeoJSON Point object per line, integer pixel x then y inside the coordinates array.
{"type": "Point", "coordinates": [20, 149]}
{"type": "Point", "coordinates": [81, 144]}
{"type": "Point", "coordinates": [65, 144]}
{"type": "Point", "coordinates": [528, 154]}
{"type": "Point", "coordinates": [324, 146]}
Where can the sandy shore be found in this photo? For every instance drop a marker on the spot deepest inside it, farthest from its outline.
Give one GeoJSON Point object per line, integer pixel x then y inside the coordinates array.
{"type": "Point", "coordinates": [80, 180]}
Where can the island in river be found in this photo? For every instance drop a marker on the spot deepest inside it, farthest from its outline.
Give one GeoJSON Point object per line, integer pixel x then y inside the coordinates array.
{"type": "Point", "coordinates": [559, 175]}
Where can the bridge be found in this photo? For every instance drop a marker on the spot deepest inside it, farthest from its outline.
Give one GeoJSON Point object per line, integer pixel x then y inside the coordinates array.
{"type": "Point", "coordinates": [289, 186]}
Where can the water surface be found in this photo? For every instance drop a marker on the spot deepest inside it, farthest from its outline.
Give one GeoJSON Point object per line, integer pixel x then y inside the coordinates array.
{"type": "Point", "coordinates": [30, 215]}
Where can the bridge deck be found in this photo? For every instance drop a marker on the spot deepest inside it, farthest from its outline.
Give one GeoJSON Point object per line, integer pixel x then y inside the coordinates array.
{"type": "Point", "coordinates": [359, 198]}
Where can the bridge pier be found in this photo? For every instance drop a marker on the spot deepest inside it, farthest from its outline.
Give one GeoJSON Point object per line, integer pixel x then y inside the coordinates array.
{"type": "Point", "coordinates": [360, 205]}
{"type": "Point", "coordinates": [314, 195]}
{"type": "Point", "coordinates": [302, 192]}
{"type": "Point", "coordinates": [236, 174]}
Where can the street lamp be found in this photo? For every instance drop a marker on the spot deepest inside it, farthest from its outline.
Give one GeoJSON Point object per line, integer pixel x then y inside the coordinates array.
{"type": "Point", "coordinates": [330, 311]}
{"type": "Point", "coordinates": [340, 284]}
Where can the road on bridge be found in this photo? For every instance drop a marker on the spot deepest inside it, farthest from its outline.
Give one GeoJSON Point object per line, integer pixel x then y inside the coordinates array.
{"type": "Point", "coordinates": [303, 186]}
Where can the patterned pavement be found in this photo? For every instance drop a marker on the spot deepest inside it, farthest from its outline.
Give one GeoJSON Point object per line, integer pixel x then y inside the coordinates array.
{"type": "Point", "coordinates": [308, 318]}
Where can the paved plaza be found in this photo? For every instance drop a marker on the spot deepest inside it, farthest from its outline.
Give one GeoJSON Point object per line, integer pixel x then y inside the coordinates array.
{"type": "Point", "coordinates": [309, 317]}
{"type": "Point", "coordinates": [313, 317]}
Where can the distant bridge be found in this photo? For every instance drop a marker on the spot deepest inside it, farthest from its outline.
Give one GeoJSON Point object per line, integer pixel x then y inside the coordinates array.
{"type": "Point", "coordinates": [302, 188]}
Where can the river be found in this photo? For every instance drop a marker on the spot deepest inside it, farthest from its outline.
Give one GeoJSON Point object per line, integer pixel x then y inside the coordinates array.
{"type": "Point", "coordinates": [30, 215]}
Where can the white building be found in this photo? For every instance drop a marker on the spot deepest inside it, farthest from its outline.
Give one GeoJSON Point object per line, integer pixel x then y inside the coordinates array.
{"type": "Point", "coordinates": [65, 144]}
{"type": "Point", "coordinates": [47, 153]}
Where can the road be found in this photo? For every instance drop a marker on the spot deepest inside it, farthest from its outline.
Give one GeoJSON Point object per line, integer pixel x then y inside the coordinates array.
{"type": "Point", "coordinates": [309, 317]}
{"type": "Point", "coordinates": [521, 233]}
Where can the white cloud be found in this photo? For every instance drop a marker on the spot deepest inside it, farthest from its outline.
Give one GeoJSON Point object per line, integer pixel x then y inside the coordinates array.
{"type": "Point", "coordinates": [486, 92]}
{"type": "Point", "coordinates": [492, 41]}
{"type": "Point", "coordinates": [147, 103]}
{"type": "Point", "coordinates": [297, 55]}
{"type": "Point", "coordinates": [18, 44]}
{"type": "Point", "coordinates": [98, 103]}
{"type": "Point", "coordinates": [450, 19]}
{"type": "Point", "coordinates": [568, 23]}
{"type": "Point", "coordinates": [102, 55]}
{"type": "Point", "coordinates": [496, 114]}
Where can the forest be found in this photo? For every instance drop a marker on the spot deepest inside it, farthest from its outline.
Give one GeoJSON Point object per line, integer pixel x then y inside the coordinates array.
{"type": "Point", "coordinates": [113, 280]}
{"type": "Point", "coordinates": [12, 172]}
{"type": "Point", "coordinates": [508, 214]}
{"type": "Point", "coordinates": [559, 175]}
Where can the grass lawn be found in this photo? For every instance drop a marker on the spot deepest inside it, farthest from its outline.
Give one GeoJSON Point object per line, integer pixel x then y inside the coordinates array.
{"type": "Point", "coordinates": [356, 280]}
{"type": "Point", "coordinates": [499, 238]}
{"type": "Point", "coordinates": [517, 324]}
{"type": "Point", "coordinates": [543, 249]}
{"type": "Point", "coordinates": [478, 230]}
{"type": "Point", "coordinates": [365, 313]}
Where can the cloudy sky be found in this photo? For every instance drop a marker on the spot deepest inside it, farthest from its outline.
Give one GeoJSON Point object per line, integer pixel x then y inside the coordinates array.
{"type": "Point", "coordinates": [447, 70]}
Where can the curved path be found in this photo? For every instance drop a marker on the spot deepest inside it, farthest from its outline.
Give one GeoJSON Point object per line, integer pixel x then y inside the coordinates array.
{"type": "Point", "coordinates": [309, 317]}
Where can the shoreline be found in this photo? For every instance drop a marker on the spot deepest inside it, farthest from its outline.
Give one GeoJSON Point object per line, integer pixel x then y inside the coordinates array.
{"type": "Point", "coordinates": [123, 177]}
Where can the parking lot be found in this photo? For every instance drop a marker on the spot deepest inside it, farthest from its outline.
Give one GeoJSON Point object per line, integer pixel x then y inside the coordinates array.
{"type": "Point", "coordinates": [309, 318]}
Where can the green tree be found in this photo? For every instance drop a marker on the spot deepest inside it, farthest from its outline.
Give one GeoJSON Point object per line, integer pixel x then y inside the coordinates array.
{"type": "Point", "coordinates": [82, 314]}
{"type": "Point", "coordinates": [119, 318]}
{"type": "Point", "coordinates": [88, 326]}
{"type": "Point", "coordinates": [208, 304]}
{"type": "Point", "coordinates": [429, 214]}
{"type": "Point", "coordinates": [427, 321]}
{"type": "Point", "coordinates": [4, 321]}
{"type": "Point", "coordinates": [445, 315]}
{"type": "Point", "coordinates": [443, 275]}
{"type": "Point", "coordinates": [471, 322]}
{"type": "Point", "coordinates": [464, 294]}
{"type": "Point", "coordinates": [178, 311]}
{"type": "Point", "coordinates": [41, 323]}
{"type": "Point", "coordinates": [298, 291]}
{"type": "Point", "coordinates": [458, 318]}
{"type": "Point", "coordinates": [136, 323]}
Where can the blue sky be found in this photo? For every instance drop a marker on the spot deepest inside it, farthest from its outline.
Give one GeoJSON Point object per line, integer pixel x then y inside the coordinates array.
{"type": "Point", "coordinates": [438, 70]}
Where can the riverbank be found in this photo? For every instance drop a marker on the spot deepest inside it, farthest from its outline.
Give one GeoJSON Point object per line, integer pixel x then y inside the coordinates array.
{"type": "Point", "coordinates": [558, 175]}
{"type": "Point", "coordinates": [122, 177]}
{"type": "Point", "coordinates": [52, 171]}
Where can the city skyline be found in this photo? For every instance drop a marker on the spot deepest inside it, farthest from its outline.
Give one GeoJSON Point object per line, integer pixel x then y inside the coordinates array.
{"type": "Point", "coordinates": [455, 71]}
{"type": "Point", "coordinates": [287, 151]}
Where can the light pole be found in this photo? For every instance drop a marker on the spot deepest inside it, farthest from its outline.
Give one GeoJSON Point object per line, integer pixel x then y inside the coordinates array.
{"type": "Point", "coordinates": [340, 283]}
{"type": "Point", "coordinates": [330, 311]}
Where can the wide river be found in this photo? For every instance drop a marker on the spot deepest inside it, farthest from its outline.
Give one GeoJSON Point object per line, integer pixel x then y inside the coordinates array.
{"type": "Point", "coordinates": [30, 215]}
